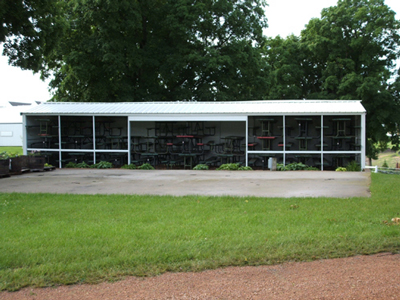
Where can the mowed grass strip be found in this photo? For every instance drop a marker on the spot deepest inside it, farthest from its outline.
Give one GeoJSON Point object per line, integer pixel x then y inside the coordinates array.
{"type": "Point", "coordinates": [11, 150]}
{"type": "Point", "coordinates": [48, 239]}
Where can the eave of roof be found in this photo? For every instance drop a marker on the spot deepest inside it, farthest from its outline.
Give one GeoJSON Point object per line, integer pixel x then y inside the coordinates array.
{"type": "Point", "coordinates": [237, 107]}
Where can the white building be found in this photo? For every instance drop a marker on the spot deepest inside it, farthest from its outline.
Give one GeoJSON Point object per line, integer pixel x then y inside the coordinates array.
{"type": "Point", "coordinates": [11, 123]}
{"type": "Point", "coordinates": [321, 133]}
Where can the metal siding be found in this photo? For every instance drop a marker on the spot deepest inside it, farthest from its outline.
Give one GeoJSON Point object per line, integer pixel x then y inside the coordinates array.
{"type": "Point", "coordinates": [10, 115]}
{"type": "Point", "coordinates": [239, 108]}
{"type": "Point", "coordinates": [15, 139]}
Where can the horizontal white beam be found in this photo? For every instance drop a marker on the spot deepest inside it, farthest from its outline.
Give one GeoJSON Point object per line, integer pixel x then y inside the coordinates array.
{"type": "Point", "coordinates": [186, 117]}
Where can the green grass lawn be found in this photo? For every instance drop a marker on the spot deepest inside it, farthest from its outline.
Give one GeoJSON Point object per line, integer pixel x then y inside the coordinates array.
{"type": "Point", "coordinates": [49, 239]}
{"type": "Point", "coordinates": [12, 150]}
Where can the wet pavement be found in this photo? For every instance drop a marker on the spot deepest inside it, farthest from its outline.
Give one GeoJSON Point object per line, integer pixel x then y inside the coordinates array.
{"type": "Point", "coordinates": [189, 182]}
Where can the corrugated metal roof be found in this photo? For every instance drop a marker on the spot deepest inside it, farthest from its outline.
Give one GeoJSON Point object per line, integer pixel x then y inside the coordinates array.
{"type": "Point", "coordinates": [239, 107]}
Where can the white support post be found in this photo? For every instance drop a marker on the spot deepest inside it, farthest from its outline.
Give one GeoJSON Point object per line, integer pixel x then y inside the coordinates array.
{"type": "Point", "coordinates": [24, 136]}
{"type": "Point", "coordinates": [247, 142]}
{"type": "Point", "coordinates": [129, 141]}
{"type": "Point", "coordinates": [322, 142]}
{"type": "Point", "coordinates": [363, 140]}
{"type": "Point", "coordinates": [59, 142]}
{"type": "Point", "coordinates": [94, 138]}
{"type": "Point", "coordinates": [284, 139]}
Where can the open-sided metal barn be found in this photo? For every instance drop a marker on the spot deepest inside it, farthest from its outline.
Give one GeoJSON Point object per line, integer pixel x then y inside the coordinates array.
{"type": "Point", "coordinates": [321, 133]}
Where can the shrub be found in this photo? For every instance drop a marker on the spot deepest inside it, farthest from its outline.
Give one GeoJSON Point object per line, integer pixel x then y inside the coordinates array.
{"type": "Point", "coordinates": [5, 155]}
{"type": "Point", "coordinates": [353, 166]}
{"type": "Point", "coordinates": [280, 167]}
{"type": "Point", "coordinates": [82, 165]}
{"type": "Point", "coordinates": [229, 167]}
{"type": "Point", "coordinates": [244, 168]}
{"type": "Point", "coordinates": [102, 165]}
{"type": "Point", "coordinates": [295, 167]}
{"type": "Point", "coordinates": [309, 168]}
{"type": "Point", "coordinates": [385, 165]}
{"type": "Point", "coordinates": [146, 166]}
{"type": "Point", "coordinates": [131, 167]}
{"type": "Point", "coordinates": [71, 165]}
{"type": "Point", "coordinates": [201, 167]}
{"type": "Point", "coordinates": [341, 169]}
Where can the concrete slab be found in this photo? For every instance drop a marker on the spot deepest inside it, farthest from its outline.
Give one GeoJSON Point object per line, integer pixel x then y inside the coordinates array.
{"type": "Point", "coordinates": [189, 182]}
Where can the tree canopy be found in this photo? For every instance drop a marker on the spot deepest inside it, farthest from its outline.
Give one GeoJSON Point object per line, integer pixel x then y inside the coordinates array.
{"type": "Point", "coordinates": [30, 30]}
{"type": "Point", "coordinates": [213, 50]}
{"type": "Point", "coordinates": [348, 53]}
{"type": "Point", "coordinates": [160, 50]}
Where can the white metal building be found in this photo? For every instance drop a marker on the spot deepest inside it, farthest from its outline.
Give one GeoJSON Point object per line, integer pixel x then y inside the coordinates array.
{"type": "Point", "coordinates": [10, 125]}
{"type": "Point", "coordinates": [11, 122]}
{"type": "Point", "coordinates": [321, 133]}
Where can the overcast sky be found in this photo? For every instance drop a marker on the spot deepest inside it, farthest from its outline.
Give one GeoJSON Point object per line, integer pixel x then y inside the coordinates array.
{"type": "Point", "coordinates": [284, 17]}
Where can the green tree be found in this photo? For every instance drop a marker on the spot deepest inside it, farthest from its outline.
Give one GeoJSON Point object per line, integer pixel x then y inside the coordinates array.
{"type": "Point", "coordinates": [284, 58]}
{"type": "Point", "coordinates": [161, 50]}
{"type": "Point", "coordinates": [292, 74]}
{"type": "Point", "coordinates": [348, 53]}
{"type": "Point", "coordinates": [354, 48]}
{"type": "Point", "coordinates": [30, 30]}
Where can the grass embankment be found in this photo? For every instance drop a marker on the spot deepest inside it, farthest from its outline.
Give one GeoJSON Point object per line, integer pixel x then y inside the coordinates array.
{"type": "Point", "coordinates": [51, 239]}
{"type": "Point", "coordinates": [390, 157]}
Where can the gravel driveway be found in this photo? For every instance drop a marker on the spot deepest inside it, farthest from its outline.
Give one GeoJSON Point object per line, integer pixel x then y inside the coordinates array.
{"type": "Point", "coordinates": [374, 277]}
